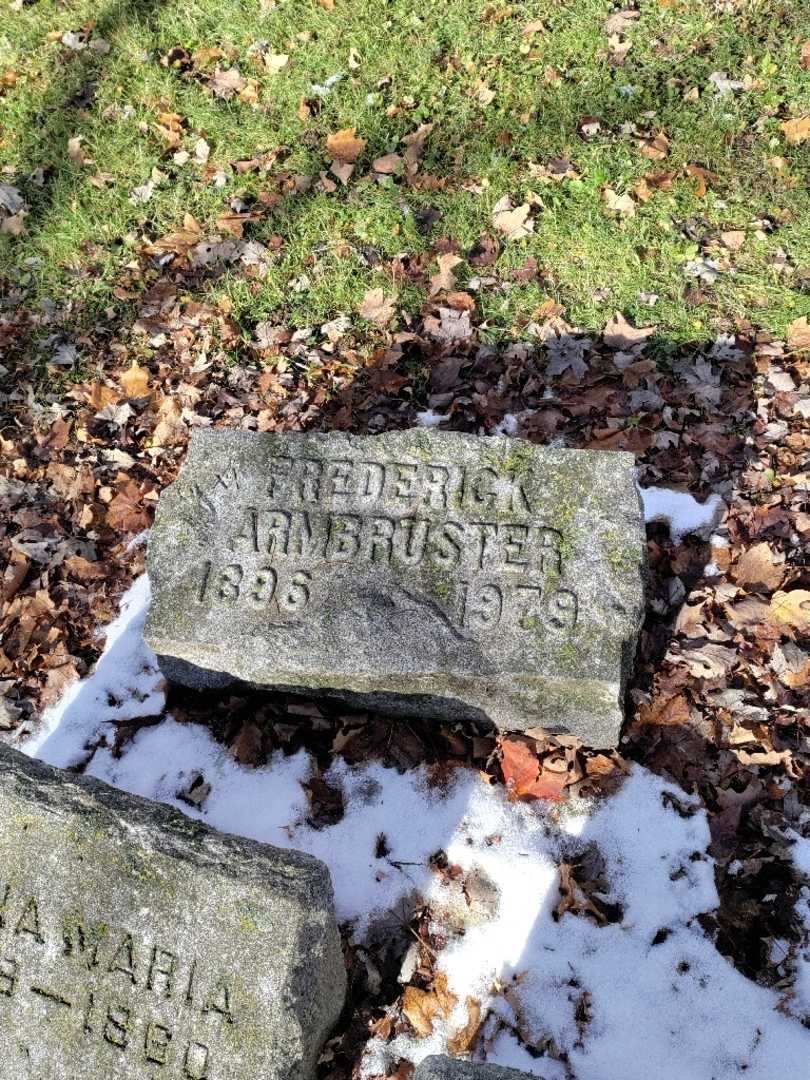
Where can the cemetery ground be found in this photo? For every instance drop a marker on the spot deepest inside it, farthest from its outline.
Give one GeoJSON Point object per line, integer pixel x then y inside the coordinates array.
{"type": "Point", "coordinates": [577, 225]}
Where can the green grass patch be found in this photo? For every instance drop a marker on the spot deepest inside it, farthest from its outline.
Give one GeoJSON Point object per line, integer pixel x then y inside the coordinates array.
{"type": "Point", "coordinates": [500, 101]}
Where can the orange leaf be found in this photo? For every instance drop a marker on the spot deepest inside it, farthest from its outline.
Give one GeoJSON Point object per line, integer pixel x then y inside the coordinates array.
{"type": "Point", "coordinates": [135, 381]}
{"type": "Point", "coordinates": [796, 131]}
{"type": "Point", "coordinates": [345, 145]}
{"type": "Point", "coordinates": [463, 1041]}
{"type": "Point", "coordinates": [422, 1007]}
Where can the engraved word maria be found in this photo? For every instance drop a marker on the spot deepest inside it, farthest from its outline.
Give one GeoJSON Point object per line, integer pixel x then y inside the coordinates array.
{"type": "Point", "coordinates": [116, 957]}
{"type": "Point", "coordinates": [398, 486]}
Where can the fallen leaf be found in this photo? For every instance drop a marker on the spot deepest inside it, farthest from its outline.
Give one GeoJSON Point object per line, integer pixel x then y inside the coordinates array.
{"type": "Point", "coordinates": [376, 307]}
{"type": "Point", "coordinates": [733, 239]}
{"type": "Point", "coordinates": [464, 1040]}
{"type": "Point", "coordinates": [798, 334]}
{"type": "Point", "coordinates": [792, 608]}
{"type": "Point", "coordinates": [345, 145]}
{"type": "Point", "coordinates": [75, 152]}
{"type": "Point", "coordinates": [620, 21]}
{"type": "Point", "coordinates": [525, 776]}
{"type": "Point", "coordinates": [276, 62]}
{"type": "Point", "coordinates": [701, 175]}
{"type": "Point", "coordinates": [656, 148]}
{"type": "Point", "coordinates": [135, 381]}
{"type": "Point", "coordinates": [512, 221]}
{"type": "Point", "coordinates": [445, 280]}
{"type": "Point", "coordinates": [796, 131]}
{"type": "Point", "coordinates": [621, 205]}
{"type": "Point", "coordinates": [805, 55]}
{"type": "Point", "coordinates": [620, 334]}
{"type": "Point", "coordinates": [423, 1007]}
{"type": "Point", "coordinates": [756, 566]}
{"type": "Point", "coordinates": [387, 164]}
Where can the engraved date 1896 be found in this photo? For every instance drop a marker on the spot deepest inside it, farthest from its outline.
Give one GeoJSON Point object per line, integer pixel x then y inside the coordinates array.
{"type": "Point", "coordinates": [288, 593]}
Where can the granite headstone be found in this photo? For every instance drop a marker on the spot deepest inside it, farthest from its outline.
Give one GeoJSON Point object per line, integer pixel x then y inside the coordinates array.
{"type": "Point", "coordinates": [432, 573]}
{"type": "Point", "coordinates": [137, 944]}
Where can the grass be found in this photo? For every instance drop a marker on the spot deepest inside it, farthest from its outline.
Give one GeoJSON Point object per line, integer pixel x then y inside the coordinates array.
{"type": "Point", "coordinates": [404, 64]}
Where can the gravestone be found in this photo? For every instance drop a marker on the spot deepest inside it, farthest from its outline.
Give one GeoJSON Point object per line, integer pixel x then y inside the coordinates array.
{"type": "Point", "coordinates": [432, 573]}
{"type": "Point", "coordinates": [137, 944]}
{"type": "Point", "coordinates": [441, 1067]}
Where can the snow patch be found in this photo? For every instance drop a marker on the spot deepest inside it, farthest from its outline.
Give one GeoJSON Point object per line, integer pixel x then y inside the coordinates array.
{"type": "Point", "coordinates": [682, 510]}
{"type": "Point", "coordinates": [648, 995]}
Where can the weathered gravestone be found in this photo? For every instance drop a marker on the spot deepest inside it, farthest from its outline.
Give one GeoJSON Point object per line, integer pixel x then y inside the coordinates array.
{"type": "Point", "coordinates": [441, 1067]}
{"type": "Point", "coordinates": [137, 944]}
{"type": "Point", "coordinates": [436, 573]}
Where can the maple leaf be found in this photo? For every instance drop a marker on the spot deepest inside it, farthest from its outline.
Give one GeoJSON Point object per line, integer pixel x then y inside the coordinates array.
{"type": "Point", "coordinates": [512, 221]}
{"type": "Point", "coordinates": [135, 381]}
{"type": "Point", "coordinates": [423, 1007]}
{"type": "Point", "coordinates": [621, 205]}
{"type": "Point", "coordinates": [445, 280]}
{"type": "Point", "coordinates": [620, 334]}
{"type": "Point", "coordinates": [376, 307]}
{"type": "Point", "coordinates": [665, 711]}
{"type": "Point", "coordinates": [797, 130]}
{"type": "Point", "coordinates": [126, 511]}
{"type": "Point", "coordinates": [345, 145]}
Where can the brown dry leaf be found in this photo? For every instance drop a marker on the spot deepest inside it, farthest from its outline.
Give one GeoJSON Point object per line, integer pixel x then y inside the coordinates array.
{"type": "Point", "coordinates": [422, 1007]}
{"type": "Point", "coordinates": [135, 381]}
{"type": "Point", "coordinates": [573, 897]}
{"type": "Point", "coordinates": [620, 334]}
{"type": "Point", "coordinates": [526, 776]}
{"type": "Point", "coordinates": [14, 225]}
{"type": "Point", "coordinates": [327, 5]}
{"type": "Point", "coordinates": [75, 152]}
{"type": "Point", "coordinates": [656, 148]}
{"type": "Point", "coordinates": [342, 170]}
{"type": "Point", "coordinates": [733, 239]}
{"type": "Point", "coordinates": [710, 661]}
{"type": "Point", "coordinates": [513, 221]}
{"type": "Point", "coordinates": [536, 26]}
{"type": "Point", "coordinates": [702, 176]}
{"type": "Point", "coordinates": [665, 711]}
{"type": "Point", "coordinates": [376, 307]}
{"type": "Point", "coordinates": [796, 131]}
{"type": "Point", "coordinates": [756, 566]}
{"type": "Point", "coordinates": [387, 164]}
{"type": "Point", "coordinates": [621, 205]}
{"type": "Point", "coordinates": [464, 1041]}
{"type": "Point", "coordinates": [226, 83]}
{"type": "Point", "coordinates": [345, 145]}
{"type": "Point", "coordinates": [798, 334]}
{"type": "Point", "coordinates": [792, 609]}
{"type": "Point", "coordinates": [247, 746]}
{"type": "Point", "coordinates": [805, 55]}
{"type": "Point", "coordinates": [276, 62]}
{"type": "Point", "coordinates": [445, 280]}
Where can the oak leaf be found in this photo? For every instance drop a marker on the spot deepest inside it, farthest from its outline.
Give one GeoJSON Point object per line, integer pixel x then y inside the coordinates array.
{"type": "Point", "coordinates": [445, 280]}
{"type": "Point", "coordinates": [513, 221]}
{"type": "Point", "coordinates": [620, 334]}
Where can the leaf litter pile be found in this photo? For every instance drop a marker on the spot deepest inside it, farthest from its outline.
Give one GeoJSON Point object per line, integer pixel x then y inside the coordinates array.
{"type": "Point", "coordinates": [534, 877]}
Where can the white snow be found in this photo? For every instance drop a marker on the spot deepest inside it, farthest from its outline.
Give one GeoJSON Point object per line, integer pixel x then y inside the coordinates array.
{"type": "Point", "coordinates": [676, 1010]}
{"type": "Point", "coordinates": [429, 418]}
{"type": "Point", "coordinates": [682, 510]}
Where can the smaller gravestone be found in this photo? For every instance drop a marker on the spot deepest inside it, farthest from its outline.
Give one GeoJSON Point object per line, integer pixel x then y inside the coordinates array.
{"type": "Point", "coordinates": [440, 1067]}
{"type": "Point", "coordinates": [139, 945]}
{"type": "Point", "coordinates": [433, 573]}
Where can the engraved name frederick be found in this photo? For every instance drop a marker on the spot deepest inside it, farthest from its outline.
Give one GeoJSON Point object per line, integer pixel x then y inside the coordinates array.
{"type": "Point", "coordinates": [478, 534]}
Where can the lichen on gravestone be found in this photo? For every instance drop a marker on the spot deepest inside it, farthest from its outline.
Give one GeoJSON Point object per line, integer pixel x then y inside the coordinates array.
{"type": "Point", "coordinates": [419, 572]}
